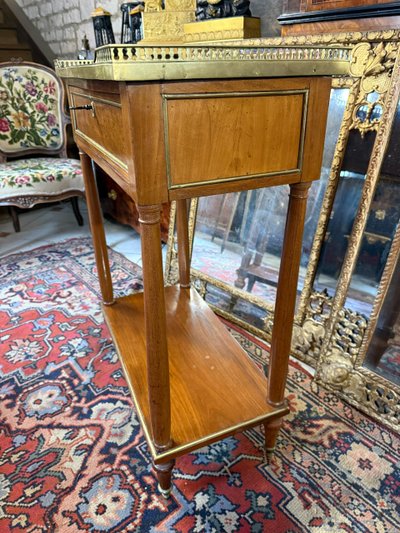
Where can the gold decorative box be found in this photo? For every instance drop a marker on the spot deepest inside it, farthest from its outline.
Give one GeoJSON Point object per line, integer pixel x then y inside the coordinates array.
{"type": "Point", "coordinates": [166, 25]}
{"type": "Point", "coordinates": [222, 28]}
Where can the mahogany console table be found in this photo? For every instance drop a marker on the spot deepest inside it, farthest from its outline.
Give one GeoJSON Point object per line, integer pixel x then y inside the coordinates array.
{"type": "Point", "coordinates": [172, 123]}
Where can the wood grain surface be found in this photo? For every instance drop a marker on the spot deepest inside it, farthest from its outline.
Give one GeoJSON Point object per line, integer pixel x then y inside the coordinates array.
{"type": "Point", "coordinates": [231, 136]}
{"type": "Point", "coordinates": [214, 385]}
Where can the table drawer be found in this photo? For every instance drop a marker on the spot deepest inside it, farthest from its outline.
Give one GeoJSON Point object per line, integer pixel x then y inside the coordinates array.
{"type": "Point", "coordinates": [234, 136]}
{"type": "Point", "coordinates": [102, 126]}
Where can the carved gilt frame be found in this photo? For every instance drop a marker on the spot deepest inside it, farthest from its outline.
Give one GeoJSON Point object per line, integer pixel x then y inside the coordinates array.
{"type": "Point", "coordinates": [321, 320]}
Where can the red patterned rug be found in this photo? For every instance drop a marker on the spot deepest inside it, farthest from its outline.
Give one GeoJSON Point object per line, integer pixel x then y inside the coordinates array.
{"type": "Point", "coordinates": [389, 365]}
{"type": "Point", "coordinates": [73, 458]}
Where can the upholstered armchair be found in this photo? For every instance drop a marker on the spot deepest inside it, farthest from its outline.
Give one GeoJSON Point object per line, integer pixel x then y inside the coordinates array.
{"type": "Point", "coordinates": [34, 167]}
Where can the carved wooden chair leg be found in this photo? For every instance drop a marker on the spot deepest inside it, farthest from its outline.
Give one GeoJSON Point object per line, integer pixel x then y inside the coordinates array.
{"type": "Point", "coordinates": [164, 473]}
{"type": "Point", "coordinates": [232, 302]}
{"type": "Point", "coordinates": [250, 283]}
{"type": "Point", "coordinates": [14, 215]}
{"type": "Point", "coordinates": [77, 213]}
{"type": "Point", "coordinates": [271, 431]}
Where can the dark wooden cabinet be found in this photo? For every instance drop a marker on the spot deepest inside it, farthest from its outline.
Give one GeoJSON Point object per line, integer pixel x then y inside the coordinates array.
{"type": "Point", "coordinates": [330, 16]}
{"type": "Point", "coordinates": [118, 205]}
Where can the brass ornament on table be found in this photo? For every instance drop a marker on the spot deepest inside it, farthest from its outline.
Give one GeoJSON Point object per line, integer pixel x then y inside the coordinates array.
{"type": "Point", "coordinates": [103, 31]}
{"type": "Point", "coordinates": [218, 20]}
{"type": "Point", "coordinates": [166, 25]}
{"type": "Point", "coordinates": [209, 9]}
{"type": "Point", "coordinates": [131, 28]}
{"type": "Point", "coordinates": [222, 29]}
{"type": "Point", "coordinates": [85, 52]}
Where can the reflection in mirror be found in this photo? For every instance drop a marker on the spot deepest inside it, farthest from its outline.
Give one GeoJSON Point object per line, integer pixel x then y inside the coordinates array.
{"type": "Point", "coordinates": [381, 225]}
{"type": "Point", "coordinates": [383, 355]}
{"type": "Point", "coordinates": [344, 209]}
{"type": "Point", "coordinates": [371, 111]}
{"type": "Point", "coordinates": [238, 236]}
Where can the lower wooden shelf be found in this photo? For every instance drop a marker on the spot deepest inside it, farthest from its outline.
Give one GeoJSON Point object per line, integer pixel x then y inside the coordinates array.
{"type": "Point", "coordinates": [216, 390]}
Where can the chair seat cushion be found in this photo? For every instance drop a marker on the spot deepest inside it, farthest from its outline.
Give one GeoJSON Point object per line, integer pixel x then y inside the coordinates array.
{"type": "Point", "coordinates": [40, 176]}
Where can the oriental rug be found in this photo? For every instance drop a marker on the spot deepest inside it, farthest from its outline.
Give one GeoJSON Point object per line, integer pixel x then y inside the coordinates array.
{"type": "Point", "coordinates": [73, 457]}
{"type": "Point", "coordinates": [389, 365]}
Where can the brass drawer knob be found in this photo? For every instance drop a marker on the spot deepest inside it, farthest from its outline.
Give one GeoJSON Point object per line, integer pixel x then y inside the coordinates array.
{"type": "Point", "coordinates": [112, 195]}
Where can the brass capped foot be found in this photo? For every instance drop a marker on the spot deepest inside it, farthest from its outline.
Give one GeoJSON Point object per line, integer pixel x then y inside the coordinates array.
{"type": "Point", "coordinates": [166, 493]}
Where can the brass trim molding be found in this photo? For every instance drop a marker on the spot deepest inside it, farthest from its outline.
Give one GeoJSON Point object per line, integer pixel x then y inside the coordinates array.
{"type": "Point", "coordinates": [97, 99]}
{"type": "Point", "coordinates": [230, 179]}
{"type": "Point", "coordinates": [171, 62]}
{"type": "Point", "coordinates": [88, 139]}
{"type": "Point", "coordinates": [102, 150]}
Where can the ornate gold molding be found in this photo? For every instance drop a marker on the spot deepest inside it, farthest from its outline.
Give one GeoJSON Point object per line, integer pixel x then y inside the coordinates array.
{"type": "Point", "coordinates": [343, 351]}
{"type": "Point", "coordinates": [309, 331]}
{"type": "Point", "coordinates": [383, 288]}
{"type": "Point", "coordinates": [374, 65]}
{"type": "Point", "coordinates": [326, 333]}
{"type": "Point", "coordinates": [344, 38]}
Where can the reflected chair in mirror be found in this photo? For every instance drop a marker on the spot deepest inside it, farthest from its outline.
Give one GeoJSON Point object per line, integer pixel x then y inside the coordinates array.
{"type": "Point", "coordinates": [263, 230]}
{"type": "Point", "coordinates": [34, 167]}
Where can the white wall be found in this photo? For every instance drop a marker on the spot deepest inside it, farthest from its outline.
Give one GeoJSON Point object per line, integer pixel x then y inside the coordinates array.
{"type": "Point", "coordinates": [63, 23]}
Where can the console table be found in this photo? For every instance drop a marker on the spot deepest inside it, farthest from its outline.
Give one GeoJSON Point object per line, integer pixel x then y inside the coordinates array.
{"type": "Point", "coordinates": [172, 123]}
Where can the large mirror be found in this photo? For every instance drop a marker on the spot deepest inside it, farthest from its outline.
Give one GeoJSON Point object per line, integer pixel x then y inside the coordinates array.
{"type": "Point", "coordinates": [362, 355]}
{"type": "Point", "coordinates": [383, 352]}
{"type": "Point", "coordinates": [351, 220]}
{"type": "Point", "coordinates": [238, 238]}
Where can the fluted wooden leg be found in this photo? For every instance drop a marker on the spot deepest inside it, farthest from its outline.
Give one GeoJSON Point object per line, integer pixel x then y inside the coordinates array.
{"type": "Point", "coordinates": [183, 242]}
{"type": "Point", "coordinates": [155, 325]}
{"type": "Point", "coordinates": [97, 230]}
{"type": "Point", "coordinates": [285, 305]}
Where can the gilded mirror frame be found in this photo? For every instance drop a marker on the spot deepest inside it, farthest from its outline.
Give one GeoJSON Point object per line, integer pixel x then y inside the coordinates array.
{"type": "Point", "coordinates": [322, 320]}
{"type": "Point", "coordinates": [347, 335]}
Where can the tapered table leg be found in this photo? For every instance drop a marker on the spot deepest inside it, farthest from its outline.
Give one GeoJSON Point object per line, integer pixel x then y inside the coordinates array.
{"type": "Point", "coordinates": [156, 337]}
{"type": "Point", "coordinates": [183, 243]}
{"type": "Point", "coordinates": [97, 230]}
{"type": "Point", "coordinates": [285, 305]}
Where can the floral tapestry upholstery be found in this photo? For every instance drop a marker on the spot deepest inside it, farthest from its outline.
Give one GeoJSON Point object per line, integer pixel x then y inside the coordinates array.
{"type": "Point", "coordinates": [40, 176]}
{"type": "Point", "coordinates": [30, 110]}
